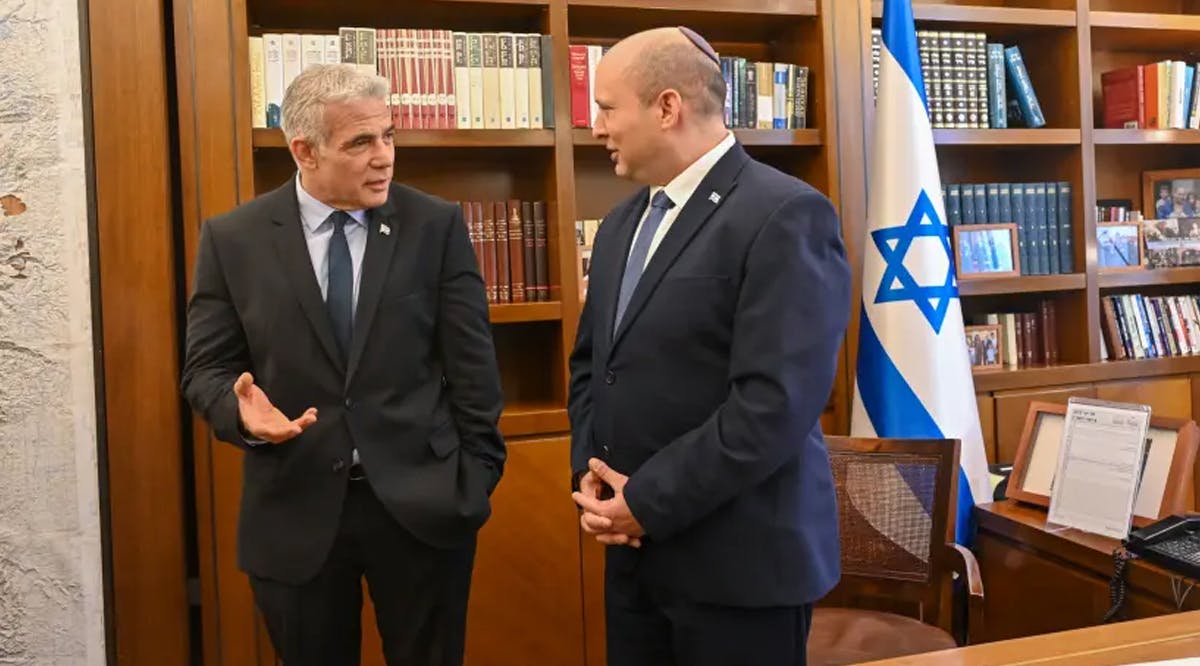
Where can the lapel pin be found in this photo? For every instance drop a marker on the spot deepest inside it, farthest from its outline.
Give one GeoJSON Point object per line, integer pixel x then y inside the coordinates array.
{"type": "Point", "coordinates": [385, 230]}
{"type": "Point", "coordinates": [714, 197]}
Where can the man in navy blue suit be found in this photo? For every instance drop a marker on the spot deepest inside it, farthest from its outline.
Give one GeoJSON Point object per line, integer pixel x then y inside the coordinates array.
{"type": "Point", "coordinates": [706, 352]}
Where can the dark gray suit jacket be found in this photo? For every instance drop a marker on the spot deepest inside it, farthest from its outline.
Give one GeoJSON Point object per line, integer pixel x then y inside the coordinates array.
{"type": "Point", "coordinates": [419, 398]}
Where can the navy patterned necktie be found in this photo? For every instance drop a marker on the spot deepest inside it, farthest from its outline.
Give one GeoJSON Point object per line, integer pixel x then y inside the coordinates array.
{"type": "Point", "coordinates": [339, 297]}
{"type": "Point", "coordinates": [659, 206]}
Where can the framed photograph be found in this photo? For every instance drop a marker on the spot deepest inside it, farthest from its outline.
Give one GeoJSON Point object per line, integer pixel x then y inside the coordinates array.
{"type": "Point", "coordinates": [983, 346]}
{"type": "Point", "coordinates": [1171, 242]}
{"type": "Point", "coordinates": [1167, 484]}
{"type": "Point", "coordinates": [1173, 193]}
{"type": "Point", "coordinates": [1119, 246]}
{"type": "Point", "coordinates": [986, 250]}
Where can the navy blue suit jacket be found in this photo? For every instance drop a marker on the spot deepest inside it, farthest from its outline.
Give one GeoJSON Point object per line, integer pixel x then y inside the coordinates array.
{"type": "Point", "coordinates": [709, 394]}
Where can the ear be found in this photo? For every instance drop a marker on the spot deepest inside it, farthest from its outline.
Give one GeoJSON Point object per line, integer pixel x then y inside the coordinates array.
{"type": "Point", "coordinates": [303, 152]}
{"type": "Point", "coordinates": [670, 108]}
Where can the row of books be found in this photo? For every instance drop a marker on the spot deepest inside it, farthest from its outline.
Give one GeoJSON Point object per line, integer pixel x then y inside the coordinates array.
{"type": "Point", "coordinates": [438, 79]}
{"type": "Point", "coordinates": [969, 82]}
{"type": "Point", "coordinates": [1117, 210]}
{"type": "Point", "coordinates": [1041, 211]}
{"type": "Point", "coordinates": [509, 239]}
{"type": "Point", "coordinates": [758, 95]}
{"type": "Point", "coordinates": [1161, 95]}
{"type": "Point", "coordinates": [1026, 338]}
{"type": "Point", "coordinates": [1137, 326]}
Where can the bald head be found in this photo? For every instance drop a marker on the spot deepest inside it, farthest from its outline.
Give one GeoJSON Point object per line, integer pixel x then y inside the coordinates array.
{"type": "Point", "coordinates": [662, 58]}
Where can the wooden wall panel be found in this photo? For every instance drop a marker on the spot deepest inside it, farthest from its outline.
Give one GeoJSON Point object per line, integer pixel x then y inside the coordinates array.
{"type": "Point", "coordinates": [1167, 396]}
{"type": "Point", "coordinates": [133, 208]}
{"type": "Point", "coordinates": [1012, 406]}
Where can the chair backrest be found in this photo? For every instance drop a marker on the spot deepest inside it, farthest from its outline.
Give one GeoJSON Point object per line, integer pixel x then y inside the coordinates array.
{"type": "Point", "coordinates": [896, 514]}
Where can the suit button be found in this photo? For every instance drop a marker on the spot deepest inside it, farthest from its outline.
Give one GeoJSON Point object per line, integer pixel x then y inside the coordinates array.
{"type": "Point", "coordinates": [349, 403]}
{"type": "Point", "coordinates": [610, 378]}
{"type": "Point", "coordinates": [604, 448]}
{"type": "Point", "coordinates": [339, 465]}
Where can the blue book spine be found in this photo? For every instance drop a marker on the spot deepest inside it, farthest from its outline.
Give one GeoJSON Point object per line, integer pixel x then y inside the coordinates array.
{"type": "Point", "coordinates": [981, 213]}
{"type": "Point", "coordinates": [1004, 195]}
{"type": "Point", "coordinates": [1031, 111]}
{"type": "Point", "coordinates": [1051, 207]}
{"type": "Point", "coordinates": [727, 74]}
{"type": "Point", "coordinates": [1018, 213]}
{"type": "Point", "coordinates": [1189, 76]}
{"type": "Point", "coordinates": [1066, 239]}
{"type": "Point", "coordinates": [953, 205]}
{"type": "Point", "coordinates": [968, 203]}
{"type": "Point", "coordinates": [1031, 224]}
{"type": "Point", "coordinates": [993, 203]}
{"type": "Point", "coordinates": [997, 95]}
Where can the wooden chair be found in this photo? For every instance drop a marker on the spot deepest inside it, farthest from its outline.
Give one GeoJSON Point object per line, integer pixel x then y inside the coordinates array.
{"type": "Point", "coordinates": [896, 506]}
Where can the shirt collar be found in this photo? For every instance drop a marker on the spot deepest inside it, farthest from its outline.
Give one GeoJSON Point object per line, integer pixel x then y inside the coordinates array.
{"type": "Point", "coordinates": [681, 187]}
{"type": "Point", "coordinates": [313, 212]}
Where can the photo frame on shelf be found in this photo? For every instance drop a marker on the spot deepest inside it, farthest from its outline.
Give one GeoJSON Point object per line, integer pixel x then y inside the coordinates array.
{"type": "Point", "coordinates": [986, 250]}
{"type": "Point", "coordinates": [1119, 246]}
{"type": "Point", "coordinates": [1171, 242]}
{"type": "Point", "coordinates": [1171, 193]}
{"type": "Point", "coordinates": [984, 346]}
{"type": "Point", "coordinates": [1167, 485]}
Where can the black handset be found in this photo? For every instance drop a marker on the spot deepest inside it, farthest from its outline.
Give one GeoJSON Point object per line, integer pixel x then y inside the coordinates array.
{"type": "Point", "coordinates": [1173, 543]}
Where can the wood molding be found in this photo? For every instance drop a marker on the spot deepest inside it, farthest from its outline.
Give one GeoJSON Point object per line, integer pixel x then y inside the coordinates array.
{"type": "Point", "coordinates": [135, 247]}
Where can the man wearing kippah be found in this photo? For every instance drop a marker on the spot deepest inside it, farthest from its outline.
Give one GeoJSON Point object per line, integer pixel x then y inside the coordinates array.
{"type": "Point", "coordinates": [718, 297]}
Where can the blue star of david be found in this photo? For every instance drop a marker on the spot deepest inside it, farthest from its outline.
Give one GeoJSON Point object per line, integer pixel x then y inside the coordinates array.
{"type": "Point", "coordinates": [924, 297]}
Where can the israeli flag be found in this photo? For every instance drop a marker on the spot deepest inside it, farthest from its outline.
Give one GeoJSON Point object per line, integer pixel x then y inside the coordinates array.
{"type": "Point", "coordinates": [913, 375]}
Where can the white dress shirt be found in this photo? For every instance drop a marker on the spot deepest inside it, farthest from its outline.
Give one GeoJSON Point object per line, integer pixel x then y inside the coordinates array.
{"type": "Point", "coordinates": [679, 190]}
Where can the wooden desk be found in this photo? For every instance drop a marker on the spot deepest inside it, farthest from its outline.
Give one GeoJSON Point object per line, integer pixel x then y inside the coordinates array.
{"type": "Point", "coordinates": [1037, 581]}
{"type": "Point", "coordinates": [1167, 637]}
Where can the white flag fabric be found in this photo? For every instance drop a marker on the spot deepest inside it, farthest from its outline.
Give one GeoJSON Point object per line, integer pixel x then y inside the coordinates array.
{"type": "Point", "coordinates": [913, 376]}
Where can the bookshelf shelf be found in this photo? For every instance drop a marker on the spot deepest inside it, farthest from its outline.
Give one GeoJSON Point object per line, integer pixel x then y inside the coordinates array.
{"type": "Point", "coordinates": [1157, 276]}
{"type": "Point", "coordinates": [763, 137]}
{"type": "Point", "coordinates": [531, 418]}
{"type": "Point", "coordinates": [1025, 284]}
{"type": "Point", "coordinates": [792, 7]}
{"type": "Point", "coordinates": [1150, 33]}
{"type": "Point", "coordinates": [1007, 137]}
{"type": "Point", "coordinates": [1042, 376]}
{"type": "Point", "coordinates": [511, 313]}
{"type": "Point", "coordinates": [984, 16]}
{"type": "Point", "coordinates": [1145, 136]}
{"type": "Point", "coordinates": [273, 138]}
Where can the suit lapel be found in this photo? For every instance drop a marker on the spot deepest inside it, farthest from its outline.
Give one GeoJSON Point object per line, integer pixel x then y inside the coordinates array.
{"type": "Point", "coordinates": [616, 267]}
{"type": "Point", "coordinates": [376, 260]}
{"type": "Point", "coordinates": [292, 251]}
{"type": "Point", "coordinates": [709, 195]}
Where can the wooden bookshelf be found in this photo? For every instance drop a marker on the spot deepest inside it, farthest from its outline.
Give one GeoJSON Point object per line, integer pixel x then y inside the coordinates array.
{"type": "Point", "coordinates": [533, 535]}
{"type": "Point", "coordinates": [1007, 137]}
{"type": "Point", "coordinates": [1024, 284]}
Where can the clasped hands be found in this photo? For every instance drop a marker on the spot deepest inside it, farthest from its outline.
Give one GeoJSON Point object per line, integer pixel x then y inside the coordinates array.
{"type": "Point", "coordinates": [610, 520]}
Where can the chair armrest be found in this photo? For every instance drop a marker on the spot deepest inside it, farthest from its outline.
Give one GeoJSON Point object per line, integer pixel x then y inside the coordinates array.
{"type": "Point", "coordinates": [964, 564]}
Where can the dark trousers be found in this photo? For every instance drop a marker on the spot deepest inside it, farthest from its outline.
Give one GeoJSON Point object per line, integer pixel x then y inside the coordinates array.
{"type": "Point", "coordinates": [648, 626]}
{"type": "Point", "coordinates": [420, 595]}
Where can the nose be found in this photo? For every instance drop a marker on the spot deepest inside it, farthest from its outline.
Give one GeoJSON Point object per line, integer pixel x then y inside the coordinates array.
{"type": "Point", "coordinates": [598, 129]}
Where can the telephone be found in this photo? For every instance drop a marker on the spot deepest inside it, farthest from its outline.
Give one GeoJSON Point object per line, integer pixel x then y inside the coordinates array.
{"type": "Point", "coordinates": [1172, 543]}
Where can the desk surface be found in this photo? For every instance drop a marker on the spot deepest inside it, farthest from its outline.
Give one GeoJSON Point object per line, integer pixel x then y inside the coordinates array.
{"type": "Point", "coordinates": [1155, 639]}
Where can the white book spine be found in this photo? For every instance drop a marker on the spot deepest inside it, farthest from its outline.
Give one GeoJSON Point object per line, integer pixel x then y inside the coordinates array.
{"type": "Point", "coordinates": [491, 81]}
{"type": "Point", "coordinates": [534, 43]}
{"type": "Point", "coordinates": [462, 80]}
{"type": "Point", "coordinates": [291, 58]}
{"type": "Point", "coordinates": [521, 80]}
{"type": "Point", "coordinates": [333, 50]}
{"type": "Point", "coordinates": [475, 78]}
{"type": "Point", "coordinates": [312, 51]}
{"type": "Point", "coordinates": [595, 52]}
{"type": "Point", "coordinates": [273, 75]}
{"type": "Point", "coordinates": [258, 84]}
{"type": "Point", "coordinates": [508, 92]}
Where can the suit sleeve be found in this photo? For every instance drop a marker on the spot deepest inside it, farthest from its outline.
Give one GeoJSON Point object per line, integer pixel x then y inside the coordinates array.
{"type": "Point", "coordinates": [790, 318]}
{"type": "Point", "coordinates": [468, 354]}
{"type": "Point", "coordinates": [579, 400]}
{"type": "Point", "coordinates": [215, 349]}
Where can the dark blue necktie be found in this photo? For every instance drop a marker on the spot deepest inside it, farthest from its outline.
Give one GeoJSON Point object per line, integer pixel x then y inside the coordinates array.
{"type": "Point", "coordinates": [339, 298]}
{"type": "Point", "coordinates": [659, 206]}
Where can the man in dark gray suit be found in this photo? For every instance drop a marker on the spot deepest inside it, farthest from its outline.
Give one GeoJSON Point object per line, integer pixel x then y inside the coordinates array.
{"type": "Point", "coordinates": [338, 332]}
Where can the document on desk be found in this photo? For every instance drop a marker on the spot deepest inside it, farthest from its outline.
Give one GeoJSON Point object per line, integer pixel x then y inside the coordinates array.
{"type": "Point", "coordinates": [1099, 466]}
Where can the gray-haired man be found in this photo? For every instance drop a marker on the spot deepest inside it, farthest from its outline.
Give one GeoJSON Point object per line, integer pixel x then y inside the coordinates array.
{"type": "Point", "coordinates": [338, 333]}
